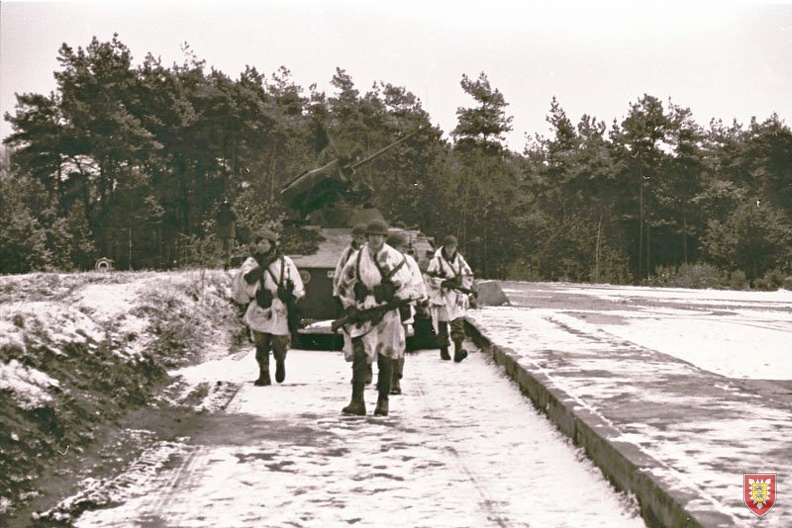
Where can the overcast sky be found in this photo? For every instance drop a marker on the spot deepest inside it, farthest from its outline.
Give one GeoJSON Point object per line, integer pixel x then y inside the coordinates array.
{"type": "Point", "coordinates": [722, 60]}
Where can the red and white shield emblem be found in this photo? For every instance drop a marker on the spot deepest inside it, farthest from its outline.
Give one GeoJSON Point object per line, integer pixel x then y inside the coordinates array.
{"type": "Point", "coordinates": [759, 492]}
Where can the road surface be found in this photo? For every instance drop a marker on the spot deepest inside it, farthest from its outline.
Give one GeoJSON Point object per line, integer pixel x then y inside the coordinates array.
{"type": "Point", "coordinates": [461, 448]}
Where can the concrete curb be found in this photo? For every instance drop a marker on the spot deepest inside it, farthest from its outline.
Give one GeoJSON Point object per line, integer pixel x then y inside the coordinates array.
{"type": "Point", "coordinates": [623, 464]}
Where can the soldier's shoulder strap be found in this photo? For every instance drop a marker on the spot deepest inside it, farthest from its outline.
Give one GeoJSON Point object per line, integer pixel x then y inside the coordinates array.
{"type": "Point", "coordinates": [278, 282]}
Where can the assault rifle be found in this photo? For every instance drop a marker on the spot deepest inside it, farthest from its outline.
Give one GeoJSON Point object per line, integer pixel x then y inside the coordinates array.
{"type": "Point", "coordinates": [286, 294]}
{"type": "Point", "coordinates": [462, 289]}
{"type": "Point", "coordinates": [374, 314]}
{"type": "Point", "coordinates": [455, 285]}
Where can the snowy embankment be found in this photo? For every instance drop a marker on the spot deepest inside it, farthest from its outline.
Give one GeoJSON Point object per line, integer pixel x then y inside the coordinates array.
{"type": "Point", "coordinates": [692, 387]}
{"type": "Point", "coordinates": [77, 351]}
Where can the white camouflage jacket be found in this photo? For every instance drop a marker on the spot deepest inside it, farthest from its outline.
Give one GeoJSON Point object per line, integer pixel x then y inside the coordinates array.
{"type": "Point", "coordinates": [447, 303]}
{"type": "Point", "coordinates": [272, 320]}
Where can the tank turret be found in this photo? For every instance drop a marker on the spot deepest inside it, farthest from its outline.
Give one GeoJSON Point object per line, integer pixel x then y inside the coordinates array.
{"type": "Point", "coordinates": [328, 195]}
{"type": "Point", "coordinates": [329, 201]}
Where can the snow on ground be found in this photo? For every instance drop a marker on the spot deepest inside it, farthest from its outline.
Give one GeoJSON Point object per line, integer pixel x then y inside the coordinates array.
{"type": "Point", "coordinates": [78, 350]}
{"type": "Point", "coordinates": [27, 384]}
{"type": "Point", "coordinates": [462, 447]}
{"type": "Point", "coordinates": [461, 444]}
{"type": "Point", "coordinates": [737, 334]}
{"type": "Point", "coordinates": [80, 312]}
{"type": "Point", "coordinates": [720, 412]}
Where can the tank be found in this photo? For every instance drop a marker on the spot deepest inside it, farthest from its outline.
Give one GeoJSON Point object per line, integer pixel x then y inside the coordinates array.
{"type": "Point", "coordinates": [328, 201]}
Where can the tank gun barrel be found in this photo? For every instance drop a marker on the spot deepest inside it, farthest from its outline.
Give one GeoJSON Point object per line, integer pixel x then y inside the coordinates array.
{"type": "Point", "coordinates": [384, 149]}
{"type": "Point", "coordinates": [315, 188]}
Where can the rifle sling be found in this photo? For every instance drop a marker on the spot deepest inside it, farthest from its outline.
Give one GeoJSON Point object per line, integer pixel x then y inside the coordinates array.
{"type": "Point", "coordinates": [277, 282]}
{"type": "Point", "coordinates": [457, 273]}
{"type": "Point", "coordinates": [384, 276]}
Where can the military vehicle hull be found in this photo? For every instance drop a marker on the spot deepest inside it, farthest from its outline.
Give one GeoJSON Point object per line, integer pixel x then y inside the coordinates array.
{"type": "Point", "coordinates": [318, 309]}
{"type": "Point", "coordinates": [329, 200]}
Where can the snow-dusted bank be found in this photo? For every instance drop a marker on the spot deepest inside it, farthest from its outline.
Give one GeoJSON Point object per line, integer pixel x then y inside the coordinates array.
{"type": "Point", "coordinates": [676, 394]}
{"type": "Point", "coordinates": [78, 351]}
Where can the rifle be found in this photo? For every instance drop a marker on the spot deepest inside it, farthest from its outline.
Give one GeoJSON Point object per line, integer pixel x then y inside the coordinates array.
{"type": "Point", "coordinates": [457, 287]}
{"type": "Point", "coordinates": [286, 294]}
{"type": "Point", "coordinates": [374, 314]}
{"type": "Point", "coordinates": [462, 289]}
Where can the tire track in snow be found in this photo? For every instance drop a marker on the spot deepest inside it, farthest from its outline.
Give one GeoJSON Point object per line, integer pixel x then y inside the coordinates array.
{"type": "Point", "coordinates": [172, 491]}
{"type": "Point", "coordinates": [485, 497]}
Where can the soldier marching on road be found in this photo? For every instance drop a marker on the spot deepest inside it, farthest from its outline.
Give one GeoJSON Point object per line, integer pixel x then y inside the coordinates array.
{"type": "Point", "coordinates": [372, 287]}
{"type": "Point", "coordinates": [449, 285]}
{"type": "Point", "coordinates": [272, 283]}
{"type": "Point", "coordinates": [358, 241]}
{"type": "Point", "coordinates": [417, 291]}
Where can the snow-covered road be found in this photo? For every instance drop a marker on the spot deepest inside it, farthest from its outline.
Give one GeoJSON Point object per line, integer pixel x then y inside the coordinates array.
{"type": "Point", "coordinates": [461, 447]}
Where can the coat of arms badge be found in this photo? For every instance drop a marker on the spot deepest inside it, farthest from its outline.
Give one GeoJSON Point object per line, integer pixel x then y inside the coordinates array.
{"type": "Point", "coordinates": [759, 492]}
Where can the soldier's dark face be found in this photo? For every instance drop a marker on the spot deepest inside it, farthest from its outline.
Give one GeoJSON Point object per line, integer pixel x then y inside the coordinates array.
{"type": "Point", "coordinates": [375, 242]}
{"type": "Point", "coordinates": [263, 245]}
{"type": "Point", "coordinates": [359, 239]}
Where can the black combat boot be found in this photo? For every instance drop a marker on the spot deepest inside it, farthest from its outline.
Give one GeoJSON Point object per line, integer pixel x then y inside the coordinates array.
{"type": "Point", "coordinates": [442, 336]}
{"type": "Point", "coordinates": [382, 406]}
{"type": "Point", "coordinates": [262, 358]}
{"type": "Point", "coordinates": [264, 377]}
{"type": "Point", "coordinates": [360, 368]}
{"type": "Point", "coordinates": [459, 352]}
{"type": "Point", "coordinates": [398, 368]}
{"type": "Point", "coordinates": [357, 406]}
{"type": "Point", "coordinates": [384, 374]}
{"type": "Point", "coordinates": [280, 367]}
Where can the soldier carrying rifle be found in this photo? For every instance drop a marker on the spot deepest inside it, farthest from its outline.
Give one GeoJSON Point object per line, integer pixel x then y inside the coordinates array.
{"type": "Point", "coordinates": [270, 284]}
{"type": "Point", "coordinates": [372, 287]}
{"type": "Point", "coordinates": [449, 286]}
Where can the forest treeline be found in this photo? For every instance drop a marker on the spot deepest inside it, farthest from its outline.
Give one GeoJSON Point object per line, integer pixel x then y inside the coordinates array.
{"type": "Point", "coordinates": [132, 162]}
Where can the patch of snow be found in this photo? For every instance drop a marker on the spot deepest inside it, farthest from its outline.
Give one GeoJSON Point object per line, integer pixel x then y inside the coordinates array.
{"type": "Point", "coordinates": [704, 431]}
{"type": "Point", "coordinates": [62, 323]}
{"type": "Point", "coordinates": [135, 480]}
{"type": "Point", "coordinates": [28, 385]}
{"type": "Point", "coordinates": [10, 334]}
{"type": "Point", "coordinates": [110, 300]}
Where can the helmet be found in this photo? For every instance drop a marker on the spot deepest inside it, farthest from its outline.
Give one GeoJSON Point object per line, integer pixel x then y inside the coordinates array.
{"type": "Point", "coordinates": [359, 229]}
{"type": "Point", "coordinates": [450, 239]}
{"type": "Point", "coordinates": [396, 240]}
{"type": "Point", "coordinates": [377, 227]}
{"type": "Point", "coordinates": [267, 233]}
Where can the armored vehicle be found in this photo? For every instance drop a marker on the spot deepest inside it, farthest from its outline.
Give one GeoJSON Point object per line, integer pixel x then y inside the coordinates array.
{"type": "Point", "coordinates": [328, 201]}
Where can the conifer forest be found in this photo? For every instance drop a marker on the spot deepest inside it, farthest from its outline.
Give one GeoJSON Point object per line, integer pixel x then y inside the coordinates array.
{"type": "Point", "coordinates": [132, 161]}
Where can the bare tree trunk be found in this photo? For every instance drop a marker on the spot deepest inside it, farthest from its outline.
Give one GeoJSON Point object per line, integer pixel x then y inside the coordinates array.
{"type": "Point", "coordinates": [684, 239]}
{"type": "Point", "coordinates": [272, 175]}
{"type": "Point", "coordinates": [648, 251]}
{"type": "Point", "coordinates": [597, 252]}
{"type": "Point", "coordinates": [640, 228]}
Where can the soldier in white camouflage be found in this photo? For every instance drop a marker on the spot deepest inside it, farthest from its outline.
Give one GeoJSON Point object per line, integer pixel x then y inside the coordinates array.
{"type": "Point", "coordinates": [449, 285]}
{"type": "Point", "coordinates": [417, 291]}
{"type": "Point", "coordinates": [373, 285]}
{"type": "Point", "coordinates": [272, 283]}
{"type": "Point", "coordinates": [358, 241]}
